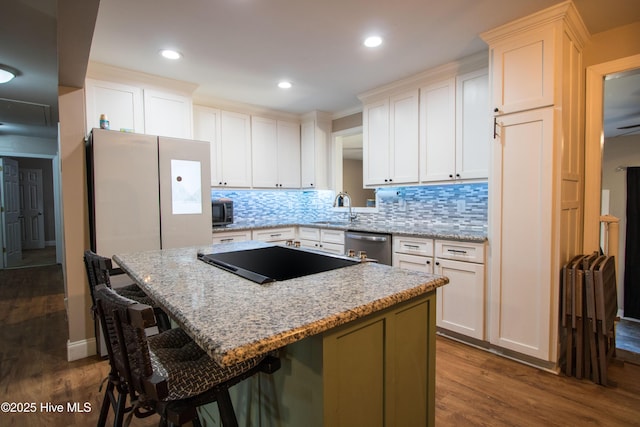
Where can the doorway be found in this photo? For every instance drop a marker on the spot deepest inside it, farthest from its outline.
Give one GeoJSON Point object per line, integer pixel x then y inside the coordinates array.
{"type": "Point", "coordinates": [28, 225]}
{"type": "Point", "coordinates": [612, 156]}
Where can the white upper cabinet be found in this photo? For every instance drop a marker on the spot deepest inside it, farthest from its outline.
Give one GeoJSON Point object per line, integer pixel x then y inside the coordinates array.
{"type": "Point", "coordinates": [288, 154]}
{"type": "Point", "coordinates": [235, 150]}
{"type": "Point", "coordinates": [375, 143]}
{"type": "Point", "coordinates": [454, 126]}
{"type": "Point", "coordinates": [313, 153]}
{"type": "Point", "coordinates": [206, 127]}
{"type": "Point", "coordinates": [523, 72]}
{"type": "Point", "coordinates": [167, 114]}
{"type": "Point", "coordinates": [437, 131]}
{"type": "Point", "coordinates": [121, 103]}
{"type": "Point", "coordinates": [390, 140]}
{"type": "Point", "coordinates": [473, 125]}
{"type": "Point", "coordinates": [276, 153]}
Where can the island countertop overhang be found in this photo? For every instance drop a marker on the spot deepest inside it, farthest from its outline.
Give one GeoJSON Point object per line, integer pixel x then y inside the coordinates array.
{"type": "Point", "coordinates": [234, 319]}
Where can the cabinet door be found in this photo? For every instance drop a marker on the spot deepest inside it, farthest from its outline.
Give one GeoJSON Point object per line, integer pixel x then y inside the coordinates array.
{"type": "Point", "coordinates": [404, 138]}
{"type": "Point", "coordinates": [522, 69]}
{"type": "Point", "coordinates": [264, 151]}
{"type": "Point", "coordinates": [313, 154]}
{"type": "Point", "coordinates": [332, 236]}
{"type": "Point", "coordinates": [473, 130]}
{"type": "Point", "coordinates": [375, 143]}
{"type": "Point", "coordinates": [167, 114]}
{"type": "Point", "coordinates": [380, 371]}
{"type": "Point", "coordinates": [413, 262]}
{"type": "Point", "coordinates": [308, 155]}
{"type": "Point", "coordinates": [522, 219]}
{"type": "Point", "coordinates": [461, 303]}
{"type": "Point", "coordinates": [121, 103]}
{"type": "Point", "coordinates": [235, 146]}
{"type": "Point", "coordinates": [288, 155]}
{"type": "Point", "coordinates": [206, 127]}
{"type": "Point", "coordinates": [437, 131]}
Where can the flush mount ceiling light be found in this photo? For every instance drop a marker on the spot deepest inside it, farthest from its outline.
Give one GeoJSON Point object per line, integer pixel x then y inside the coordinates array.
{"type": "Point", "coordinates": [170, 54]}
{"type": "Point", "coordinates": [373, 41]}
{"type": "Point", "coordinates": [7, 73]}
{"type": "Point", "coordinates": [285, 85]}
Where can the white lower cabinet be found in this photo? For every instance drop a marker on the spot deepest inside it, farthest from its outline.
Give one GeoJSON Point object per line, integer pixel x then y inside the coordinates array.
{"type": "Point", "coordinates": [461, 303]}
{"type": "Point", "coordinates": [413, 253]}
{"type": "Point", "coordinates": [274, 235]}
{"type": "Point", "coordinates": [231, 236]}
{"type": "Point", "coordinates": [322, 239]}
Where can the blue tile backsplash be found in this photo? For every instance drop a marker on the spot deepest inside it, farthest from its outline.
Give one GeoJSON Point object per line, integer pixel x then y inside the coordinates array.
{"type": "Point", "coordinates": [454, 204]}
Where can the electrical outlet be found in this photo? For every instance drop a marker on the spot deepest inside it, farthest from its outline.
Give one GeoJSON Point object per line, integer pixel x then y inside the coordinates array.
{"type": "Point", "coordinates": [461, 205]}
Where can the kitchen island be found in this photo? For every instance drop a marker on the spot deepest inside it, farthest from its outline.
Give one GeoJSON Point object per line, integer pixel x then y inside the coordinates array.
{"type": "Point", "coordinates": [357, 343]}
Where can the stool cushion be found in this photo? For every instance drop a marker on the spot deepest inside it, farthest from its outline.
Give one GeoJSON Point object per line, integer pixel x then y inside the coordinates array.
{"type": "Point", "coordinates": [133, 292]}
{"type": "Point", "coordinates": [188, 369]}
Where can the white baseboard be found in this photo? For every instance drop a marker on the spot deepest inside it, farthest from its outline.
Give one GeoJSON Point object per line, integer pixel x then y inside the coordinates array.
{"type": "Point", "coordinates": [80, 349]}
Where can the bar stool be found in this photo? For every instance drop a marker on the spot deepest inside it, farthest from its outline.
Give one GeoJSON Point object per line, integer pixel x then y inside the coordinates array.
{"type": "Point", "coordinates": [168, 374]}
{"type": "Point", "coordinates": [99, 270]}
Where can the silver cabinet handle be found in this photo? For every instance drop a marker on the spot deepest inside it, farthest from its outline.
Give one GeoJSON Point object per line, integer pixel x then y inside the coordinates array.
{"type": "Point", "coordinates": [456, 251]}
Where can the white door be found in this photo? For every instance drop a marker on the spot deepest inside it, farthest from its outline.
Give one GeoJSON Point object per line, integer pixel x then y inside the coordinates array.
{"type": "Point", "coordinates": [32, 208]}
{"type": "Point", "coordinates": [288, 154]}
{"type": "Point", "coordinates": [10, 204]}
{"type": "Point", "coordinates": [460, 304]}
{"type": "Point", "coordinates": [375, 143]}
{"type": "Point", "coordinates": [403, 130]}
{"type": "Point", "coordinates": [437, 131]}
{"type": "Point", "coordinates": [235, 146]}
{"type": "Point", "coordinates": [521, 276]}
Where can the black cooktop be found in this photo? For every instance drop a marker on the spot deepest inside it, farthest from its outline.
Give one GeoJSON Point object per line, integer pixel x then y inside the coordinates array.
{"type": "Point", "coordinates": [275, 263]}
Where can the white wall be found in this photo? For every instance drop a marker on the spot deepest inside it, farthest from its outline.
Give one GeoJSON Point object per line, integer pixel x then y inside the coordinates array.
{"type": "Point", "coordinates": [619, 152]}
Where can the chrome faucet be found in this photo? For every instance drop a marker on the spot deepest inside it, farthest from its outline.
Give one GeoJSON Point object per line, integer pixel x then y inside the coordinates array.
{"type": "Point", "coordinates": [344, 195]}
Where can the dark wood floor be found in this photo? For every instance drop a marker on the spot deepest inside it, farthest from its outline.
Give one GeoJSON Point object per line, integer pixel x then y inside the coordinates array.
{"type": "Point", "coordinates": [473, 387]}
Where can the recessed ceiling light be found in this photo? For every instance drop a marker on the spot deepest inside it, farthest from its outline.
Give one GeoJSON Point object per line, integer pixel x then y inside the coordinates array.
{"type": "Point", "coordinates": [284, 85]}
{"type": "Point", "coordinates": [170, 54]}
{"type": "Point", "coordinates": [6, 75]}
{"type": "Point", "coordinates": [373, 41]}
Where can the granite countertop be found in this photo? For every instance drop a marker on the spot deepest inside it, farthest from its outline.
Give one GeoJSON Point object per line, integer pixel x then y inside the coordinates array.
{"type": "Point", "coordinates": [235, 319]}
{"type": "Point", "coordinates": [432, 231]}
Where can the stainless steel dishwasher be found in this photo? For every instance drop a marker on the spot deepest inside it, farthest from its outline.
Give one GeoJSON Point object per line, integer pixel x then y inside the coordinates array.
{"type": "Point", "coordinates": [376, 245]}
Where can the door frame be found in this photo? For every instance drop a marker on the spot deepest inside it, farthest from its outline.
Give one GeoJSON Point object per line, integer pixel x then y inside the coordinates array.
{"type": "Point", "coordinates": [594, 143]}
{"type": "Point", "coordinates": [40, 153]}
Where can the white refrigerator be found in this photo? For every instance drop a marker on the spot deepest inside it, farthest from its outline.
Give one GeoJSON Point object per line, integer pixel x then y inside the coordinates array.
{"type": "Point", "coordinates": [147, 192]}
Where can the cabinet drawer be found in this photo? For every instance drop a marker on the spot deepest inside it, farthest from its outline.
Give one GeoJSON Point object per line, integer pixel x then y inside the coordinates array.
{"type": "Point", "coordinates": [275, 234]}
{"type": "Point", "coordinates": [461, 251]}
{"type": "Point", "coordinates": [413, 245]}
{"type": "Point", "coordinates": [309, 233]}
{"type": "Point", "coordinates": [332, 236]}
{"type": "Point", "coordinates": [231, 236]}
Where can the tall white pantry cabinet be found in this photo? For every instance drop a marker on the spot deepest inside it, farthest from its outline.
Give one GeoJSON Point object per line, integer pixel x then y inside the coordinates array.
{"type": "Point", "coordinates": [536, 177]}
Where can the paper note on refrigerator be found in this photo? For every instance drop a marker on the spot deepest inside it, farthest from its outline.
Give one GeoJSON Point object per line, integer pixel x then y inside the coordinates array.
{"type": "Point", "coordinates": [186, 187]}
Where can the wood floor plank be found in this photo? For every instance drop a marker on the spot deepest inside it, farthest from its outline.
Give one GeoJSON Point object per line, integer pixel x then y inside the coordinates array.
{"type": "Point", "coordinates": [473, 387]}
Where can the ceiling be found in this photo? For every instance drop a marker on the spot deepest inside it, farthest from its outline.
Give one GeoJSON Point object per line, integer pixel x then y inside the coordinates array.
{"type": "Point", "coordinates": [237, 50]}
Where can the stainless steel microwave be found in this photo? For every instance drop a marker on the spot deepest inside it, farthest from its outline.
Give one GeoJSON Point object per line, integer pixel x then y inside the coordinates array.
{"type": "Point", "coordinates": [221, 212]}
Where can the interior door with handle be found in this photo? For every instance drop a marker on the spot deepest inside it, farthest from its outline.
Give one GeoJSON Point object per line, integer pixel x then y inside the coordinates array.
{"type": "Point", "coordinates": [32, 207]}
{"type": "Point", "coordinates": [10, 207]}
